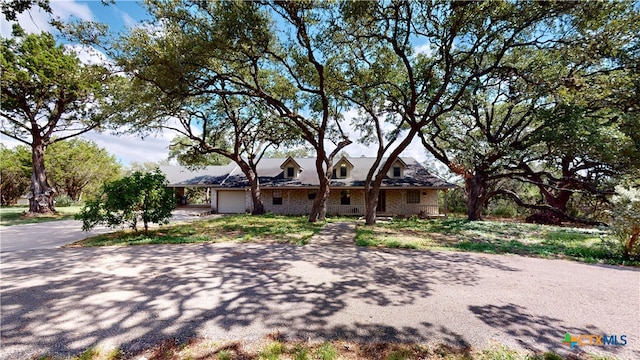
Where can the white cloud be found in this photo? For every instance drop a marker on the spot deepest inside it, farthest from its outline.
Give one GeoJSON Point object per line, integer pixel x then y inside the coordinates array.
{"type": "Point", "coordinates": [67, 9]}
{"type": "Point", "coordinates": [33, 21]}
{"type": "Point", "coordinates": [36, 20]}
{"type": "Point", "coordinates": [88, 55]}
{"type": "Point", "coordinates": [129, 148]}
{"type": "Point", "coordinates": [424, 49]}
{"type": "Point", "coordinates": [9, 142]}
{"type": "Point", "coordinates": [128, 21]}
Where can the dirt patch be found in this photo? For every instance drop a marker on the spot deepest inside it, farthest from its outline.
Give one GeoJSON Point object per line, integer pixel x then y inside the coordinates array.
{"type": "Point", "coordinates": [241, 350]}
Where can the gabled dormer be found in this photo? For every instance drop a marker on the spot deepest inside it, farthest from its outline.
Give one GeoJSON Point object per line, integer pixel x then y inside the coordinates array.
{"type": "Point", "coordinates": [291, 168]}
{"type": "Point", "coordinates": [397, 169]}
{"type": "Point", "coordinates": [342, 169]}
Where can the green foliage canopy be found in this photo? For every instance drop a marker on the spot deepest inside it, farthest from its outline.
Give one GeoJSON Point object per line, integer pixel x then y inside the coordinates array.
{"type": "Point", "coordinates": [79, 167]}
{"type": "Point", "coordinates": [15, 171]}
{"type": "Point", "coordinates": [47, 96]}
{"type": "Point", "coordinates": [140, 196]}
{"type": "Point", "coordinates": [12, 8]}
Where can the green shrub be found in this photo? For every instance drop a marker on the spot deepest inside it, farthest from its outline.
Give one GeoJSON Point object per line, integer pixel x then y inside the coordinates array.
{"type": "Point", "coordinates": [326, 351]}
{"type": "Point", "coordinates": [140, 196]}
{"type": "Point", "coordinates": [505, 211]}
{"type": "Point", "coordinates": [455, 200]}
{"type": "Point", "coordinates": [626, 221]}
{"type": "Point", "coordinates": [224, 355]}
{"type": "Point", "coordinates": [402, 354]}
{"type": "Point", "coordinates": [64, 200]}
{"type": "Point", "coordinates": [273, 351]}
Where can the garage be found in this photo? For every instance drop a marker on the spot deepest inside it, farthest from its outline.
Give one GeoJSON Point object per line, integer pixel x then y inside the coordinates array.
{"type": "Point", "coordinates": [231, 202]}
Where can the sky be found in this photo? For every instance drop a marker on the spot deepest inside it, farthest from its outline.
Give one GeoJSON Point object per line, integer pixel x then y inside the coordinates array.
{"type": "Point", "coordinates": [121, 16]}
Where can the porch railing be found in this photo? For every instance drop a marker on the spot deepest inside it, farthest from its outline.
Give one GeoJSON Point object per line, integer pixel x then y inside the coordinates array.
{"type": "Point", "coordinates": [345, 209]}
{"type": "Point", "coordinates": [422, 210]}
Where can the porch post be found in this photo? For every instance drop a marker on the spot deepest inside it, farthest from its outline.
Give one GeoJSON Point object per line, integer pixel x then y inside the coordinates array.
{"type": "Point", "coordinates": [446, 203]}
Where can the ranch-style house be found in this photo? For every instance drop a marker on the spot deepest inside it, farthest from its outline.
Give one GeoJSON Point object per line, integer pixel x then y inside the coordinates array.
{"type": "Point", "coordinates": [288, 186]}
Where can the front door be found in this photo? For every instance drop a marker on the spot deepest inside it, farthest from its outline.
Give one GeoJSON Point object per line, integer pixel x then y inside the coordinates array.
{"type": "Point", "coordinates": [382, 201]}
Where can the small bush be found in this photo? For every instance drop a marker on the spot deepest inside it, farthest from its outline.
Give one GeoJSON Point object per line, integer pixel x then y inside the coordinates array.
{"type": "Point", "coordinates": [64, 200]}
{"type": "Point", "coordinates": [326, 351]}
{"type": "Point", "coordinates": [140, 196]}
{"type": "Point", "coordinates": [455, 200]}
{"type": "Point", "coordinates": [224, 355]}
{"type": "Point", "coordinates": [402, 354]}
{"type": "Point", "coordinates": [626, 221]}
{"type": "Point", "coordinates": [273, 351]}
{"type": "Point", "coordinates": [544, 218]}
{"type": "Point", "coordinates": [505, 211]}
{"type": "Point", "coordinates": [300, 352]}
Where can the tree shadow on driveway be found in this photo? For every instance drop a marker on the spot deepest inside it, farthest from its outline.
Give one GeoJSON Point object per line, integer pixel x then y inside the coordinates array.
{"type": "Point", "coordinates": [538, 332]}
{"type": "Point", "coordinates": [65, 300]}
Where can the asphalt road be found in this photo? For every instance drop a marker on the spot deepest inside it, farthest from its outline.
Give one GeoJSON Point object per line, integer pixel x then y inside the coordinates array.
{"type": "Point", "coordinates": [63, 301]}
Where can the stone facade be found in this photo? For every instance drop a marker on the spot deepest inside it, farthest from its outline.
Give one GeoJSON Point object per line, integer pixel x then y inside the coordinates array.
{"type": "Point", "coordinates": [408, 188]}
{"type": "Point", "coordinates": [293, 201]}
{"type": "Point", "coordinates": [299, 202]}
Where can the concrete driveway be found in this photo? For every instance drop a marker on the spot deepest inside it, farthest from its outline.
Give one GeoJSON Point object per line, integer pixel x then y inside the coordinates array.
{"type": "Point", "coordinates": [62, 301]}
{"type": "Point", "coordinates": [53, 234]}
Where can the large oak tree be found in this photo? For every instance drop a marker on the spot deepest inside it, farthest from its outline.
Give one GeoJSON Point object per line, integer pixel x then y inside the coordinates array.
{"type": "Point", "coordinates": [547, 116]}
{"type": "Point", "coordinates": [268, 54]}
{"type": "Point", "coordinates": [459, 43]}
{"type": "Point", "coordinates": [47, 96]}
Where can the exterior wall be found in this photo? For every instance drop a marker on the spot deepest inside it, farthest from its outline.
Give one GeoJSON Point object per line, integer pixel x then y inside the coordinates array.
{"type": "Point", "coordinates": [296, 202]}
{"type": "Point", "coordinates": [248, 203]}
{"type": "Point", "coordinates": [214, 201]}
{"type": "Point", "coordinates": [356, 206]}
{"type": "Point", "coordinates": [397, 203]}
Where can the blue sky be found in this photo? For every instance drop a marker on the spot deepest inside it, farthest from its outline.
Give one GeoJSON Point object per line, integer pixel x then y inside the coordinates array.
{"type": "Point", "coordinates": [119, 17]}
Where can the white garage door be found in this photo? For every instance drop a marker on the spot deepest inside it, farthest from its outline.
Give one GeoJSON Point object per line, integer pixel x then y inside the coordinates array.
{"type": "Point", "coordinates": [231, 202]}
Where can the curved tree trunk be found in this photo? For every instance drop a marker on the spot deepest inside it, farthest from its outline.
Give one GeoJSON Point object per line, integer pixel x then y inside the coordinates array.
{"type": "Point", "coordinates": [249, 170]}
{"type": "Point", "coordinates": [319, 207]}
{"type": "Point", "coordinates": [476, 190]}
{"type": "Point", "coordinates": [40, 193]}
{"type": "Point", "coordinates": [558, 202]}
{"type": "Point", "coordinates": [371, 204]}
{"type": "Point", "coordinates": [258, 204]}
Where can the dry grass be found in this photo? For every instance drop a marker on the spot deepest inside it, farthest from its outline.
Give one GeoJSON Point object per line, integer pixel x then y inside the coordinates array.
{"type": "Point", "coordinates": [274, 347]}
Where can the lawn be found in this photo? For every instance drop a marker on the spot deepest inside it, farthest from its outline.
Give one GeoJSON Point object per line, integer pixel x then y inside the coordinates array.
{"type": "Point", "coordinates": [14, 215]}
{"type": "Point", "coordinates": [242, 228]}
{"type": "Point", "coordinates": [583, 244]}
{"type": "Point", "coordinates": [590, 245]}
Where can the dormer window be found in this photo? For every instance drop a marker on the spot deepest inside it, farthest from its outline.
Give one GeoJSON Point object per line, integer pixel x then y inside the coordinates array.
{"type": "Point", "coordinates": [397, 169]}
{"type": "Point", "coordinates": [342, 169]}
{"type": "Point", "coordinates": [290, 169]}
